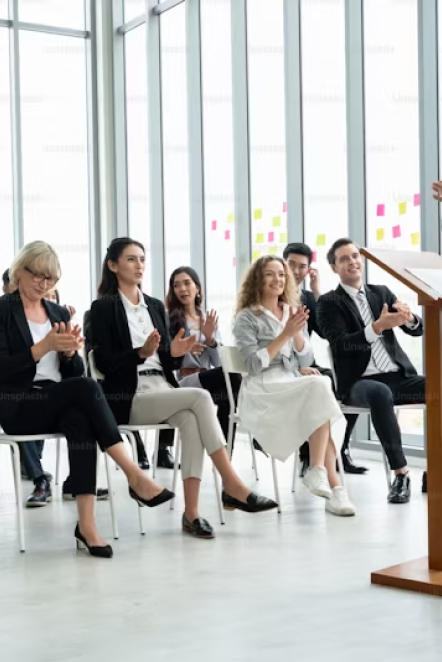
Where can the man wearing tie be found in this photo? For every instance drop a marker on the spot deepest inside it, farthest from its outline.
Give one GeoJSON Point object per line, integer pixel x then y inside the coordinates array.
{"type": "Point", "coordinates": [372, 369]}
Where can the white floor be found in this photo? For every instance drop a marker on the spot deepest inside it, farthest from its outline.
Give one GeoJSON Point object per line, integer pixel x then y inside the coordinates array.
{"type": "Point", "coordinates": [269, 588]}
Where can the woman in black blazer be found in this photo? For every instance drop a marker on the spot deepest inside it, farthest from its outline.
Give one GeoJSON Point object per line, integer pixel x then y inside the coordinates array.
{"type": "Point", "coordinates": [42, 388]}
{"type": "Point", "coordinates": [133, 350]}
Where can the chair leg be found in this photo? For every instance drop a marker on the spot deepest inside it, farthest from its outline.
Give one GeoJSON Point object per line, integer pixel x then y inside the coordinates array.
{"type": "Point", "coordinates": [295, 471]}
{"type": "Point", "coordinates": [15, 452]}
{"type": "Point", "coordinates": [218, 496]}
{"type": "Point", "coordinates": [57, 461]}
{"type": "Point", "coordinates": [131, 437]}
{"type": "Point", "coordinates": [341, 469]}
{"type": "Point", "coordinates": [111, 497]}
{"type": "Point", "coordinates": [155, 452]}
{"type": "Point", "coordinates": [387, 469]}
{"type": "Point", "coordinates": [275, 483]}
{"type": "Point", "coordinates": [254, 463]}
{"type": "Point", "coordinates": [176, 465]}
{"type": "Point", "coordinates": [230, 437]}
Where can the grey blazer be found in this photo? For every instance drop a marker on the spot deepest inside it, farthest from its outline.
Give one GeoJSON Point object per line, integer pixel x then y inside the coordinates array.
{"type": "Point", "coordinates": [254, 331]}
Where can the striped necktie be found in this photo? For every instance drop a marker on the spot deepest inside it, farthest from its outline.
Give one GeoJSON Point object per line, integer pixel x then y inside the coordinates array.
{"type": "Point", "coordinates": [379, 354]}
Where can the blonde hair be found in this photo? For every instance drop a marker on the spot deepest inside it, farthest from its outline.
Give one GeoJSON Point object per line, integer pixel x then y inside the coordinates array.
{"type": "Point", "coordinates": [251, 286]}
{"type": "Point", "coordinates": [39, 257]}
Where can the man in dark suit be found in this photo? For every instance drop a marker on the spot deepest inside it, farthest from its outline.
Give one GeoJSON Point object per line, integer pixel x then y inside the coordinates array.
{"type": "Point", "coordinates": [299, 257]}
{"type": "Point", "coordinates": [372, 369]}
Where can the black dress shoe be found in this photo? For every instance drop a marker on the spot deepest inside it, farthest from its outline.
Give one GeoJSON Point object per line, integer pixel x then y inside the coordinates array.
{"type": "Point", "coordinates": [143, 463]}
{"type": "Point", "coordinates": [105, 552]}
{"type": "Point", "coordinates": [424, 483]}
{"type": "Point", "coordinates": [257, 446]}
{"type": "Point", "coordinates": [400, 491]}
{"type": "Point", "coordinates": [41, 495]}
{"type": "Point", "coordinates": [255, 503]}
{"type": "Point", "coordinates": [303, 466]}
{"type": "Point", "coordinates": [349, 466]}
{"type": "Point", "coordinates": [165, 459]}
{"type": "Point", "coordinates": [200, 528]}
{"type": "Point", "coordinates": [162, 497]}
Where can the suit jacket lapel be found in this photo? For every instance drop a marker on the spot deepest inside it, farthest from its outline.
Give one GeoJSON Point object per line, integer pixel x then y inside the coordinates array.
{"type": "Point", "coordinates": [122, 323]}
{"type": "Point", "coordinates": [156, 318]}
{"type": "Point", "coordinates": [374, 302]}
{"type": "Point", "coordinates": [351, 304]}
{"type": "Point", "coordinates": [18, 313]}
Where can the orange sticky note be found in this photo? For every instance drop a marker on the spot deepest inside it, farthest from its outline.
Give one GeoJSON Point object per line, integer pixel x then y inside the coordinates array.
{"type": "Point", "coordinates": [380, 234]}
{"type": "Point", "coordinates": [402, 208]}
{"type": "Point", "coordinates": [415, 239]}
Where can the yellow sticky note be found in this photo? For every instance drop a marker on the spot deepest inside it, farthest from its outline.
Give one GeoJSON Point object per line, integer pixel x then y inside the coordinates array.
{"type": "Point", "coordinates": [257, 214]}
{"type": "Point", "coordinates": [256, 255]}
{"type": "Point", "coordinates": [276, 222]}
{"type": "Point", "coordinates": [231, 218]}
{"type": "Point", "coordinates": [402, 207]}
{"type": "Point", "coordinates": [273, 250]}
{"type": "Point", "coordinates": [283, 238]}
{"type": "Point", "coordinates": [320, 240]}
{"type": "Point", "coordinates": [260, 238]}
{"type": "Point", "coordinates": [380, 234]}
{"type": "Point", "coordinates": [415, 238]}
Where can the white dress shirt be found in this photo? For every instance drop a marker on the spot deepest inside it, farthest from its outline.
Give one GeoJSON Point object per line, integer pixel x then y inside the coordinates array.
{"type": "Point", "coordinates": [140, 328]}
{"type": "Point", "coordinates": [49, 365]}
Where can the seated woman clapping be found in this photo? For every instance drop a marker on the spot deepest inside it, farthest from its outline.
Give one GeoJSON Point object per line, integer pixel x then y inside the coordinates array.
{"type": "Point", "coordinates": [134, 352]}
{"type": "Point", "coordinates": [278, 404]}
{"type": "Point", "coordinates": [42, 388]}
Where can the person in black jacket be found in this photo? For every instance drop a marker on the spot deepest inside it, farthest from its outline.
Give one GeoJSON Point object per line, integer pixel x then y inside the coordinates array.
{"type": "Point", "coordinates": [299, 257]}
{"type": "Point", "coordinates": [133, 350]}
{"type": "Point", "coordinates": [42, 388]}
{"type": "Point", "coordinates": [372, 369]}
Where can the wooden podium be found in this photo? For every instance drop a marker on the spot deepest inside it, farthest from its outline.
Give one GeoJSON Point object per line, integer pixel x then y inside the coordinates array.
{"type": "Point", "coordinates": [423, 575]}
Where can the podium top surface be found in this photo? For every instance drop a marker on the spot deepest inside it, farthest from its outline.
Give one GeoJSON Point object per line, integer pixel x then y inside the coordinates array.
{"type": "Point", "coordinates": [397, 263]}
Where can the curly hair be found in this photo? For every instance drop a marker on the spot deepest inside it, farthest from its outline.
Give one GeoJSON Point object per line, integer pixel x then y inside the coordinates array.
{"type": "Point", "coordinates": [251, 286]}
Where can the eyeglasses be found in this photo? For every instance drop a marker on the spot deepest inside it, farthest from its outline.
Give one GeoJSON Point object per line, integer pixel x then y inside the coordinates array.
{"type": "Point", "coordinates": [39, 278]}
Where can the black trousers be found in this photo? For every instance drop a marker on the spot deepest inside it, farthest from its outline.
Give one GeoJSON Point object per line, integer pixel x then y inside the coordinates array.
{"type": "Point", "coordinates": [214, 382]}
{"type": "Point", "coordinates": [381, 393]}
{"type": "Point", "coordinates": [77, 408]}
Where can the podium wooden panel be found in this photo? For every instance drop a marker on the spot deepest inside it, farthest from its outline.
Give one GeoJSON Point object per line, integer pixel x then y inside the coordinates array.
{"type": "Point", "coordinates": [422, 575]}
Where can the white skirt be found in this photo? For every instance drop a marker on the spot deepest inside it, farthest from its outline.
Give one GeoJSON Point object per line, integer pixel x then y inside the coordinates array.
{"type": "Point", "coordinates": [282, 410]}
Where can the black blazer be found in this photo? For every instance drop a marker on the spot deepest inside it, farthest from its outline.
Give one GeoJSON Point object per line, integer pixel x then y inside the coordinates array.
{"type": "Point", "coordinates": [308, 299]}
{"type": "Point", "coordinates": [117, 359]}
{"type": "Point", "coordinates": [17, 365]}
{"type": "Point", "coordinates": [341, 324]}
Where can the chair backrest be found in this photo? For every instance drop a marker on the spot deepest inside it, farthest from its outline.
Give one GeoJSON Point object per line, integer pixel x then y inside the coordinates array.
{"type": "Point", "coordinates": [96, 375]}
{"type": "Point", "coordinates": [231, 363]}
{"type": "Point", "coordinates": [332, 365]}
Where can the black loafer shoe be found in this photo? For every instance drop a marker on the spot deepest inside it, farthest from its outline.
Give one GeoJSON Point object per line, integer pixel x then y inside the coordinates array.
{"type": "Point", "coordinates": [349, 466]}
{"type": "Point", "coordinates": [400, 491]}
{"type": "Point", "coordinates": [255, 503]}
{"type": "Point", "coordinates": [424, 483]}
{"type": "Point", "coordinates": [144, 464]}
{"type": "Point", "coordinates": [165, 459]}
{"type": "Point", "coordinates": [162, 497]}
{"type": "Point", "coordinates": [41, 495]}
{"type": "Point", "coordinates": [200, 528]}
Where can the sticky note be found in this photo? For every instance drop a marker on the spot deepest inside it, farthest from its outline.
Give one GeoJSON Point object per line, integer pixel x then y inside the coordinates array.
{"type": "Point", "coordinates": [260, 238]}
{"type": "Point", "coordinates": [257, 214]}
{"type": "Point", "coordinates": [284, 207]}
{"type": "Point", "coordinates": [256, 255]}
{"type": "Point", "coordinates": [396, 231]}
{"type": "Point", "coordinates": [402, 207]}
{"type": "Point", "coordinates": [380, 211]}
{"type": "Point", "coordinates": [231, 218]}
{"type": "Point", "coordinates": [415, 239]}
{"type": "Point", "coordinates": [320, 240]}
{"type": "Point", "coordinates": [380, 234]}
{"type": "Point", "coordinates": [314, 256]}
{"type": "Point", "coordinates": [276, 221]}
{"type": "Point", "coordinates": [234, 261]}
{"type": "Point", "coordinates": [417, 199]}
{"type": "Point", "coordinates": [283, 238]}
{"type": "Point", "coordinates": [271, 237]}
{"type": "Point", "coordinates": [213, 225]}
{"type": "Point", "coordinates": [273, 250]}
{"type": "Point", "coordinates": [227, 234]}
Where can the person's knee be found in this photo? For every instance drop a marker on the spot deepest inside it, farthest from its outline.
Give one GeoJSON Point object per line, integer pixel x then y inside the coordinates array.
{"type": "Point", "coordinates": [203, 398]}
{"type": "Point", "coordinates": [90, 389]}
{"type": "Point", "coordinates": [378, 393]}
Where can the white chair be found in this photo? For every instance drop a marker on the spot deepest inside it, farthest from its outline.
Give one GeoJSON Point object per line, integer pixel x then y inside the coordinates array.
{"type": "Point", "coordinates": [349, 409]}
{"type": "Point", "coordinates": [128, 430]}
{"type": "Point", "coordinates": [13, 441]}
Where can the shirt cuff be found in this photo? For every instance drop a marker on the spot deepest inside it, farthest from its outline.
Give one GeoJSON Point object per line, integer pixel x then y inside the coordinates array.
{"type": "Point", "coordinates": [413, 325]}
{"type": "Point", "coordinates": [305, 350]}
{"type": "Point", "coordinates": [370, 334]}
{"type": "Point", "coordinates": [264, 357]}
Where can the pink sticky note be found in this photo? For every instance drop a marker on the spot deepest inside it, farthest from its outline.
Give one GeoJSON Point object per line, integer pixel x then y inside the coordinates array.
{"type": "Point", "coordinates": [396, 231]}
{"type": "Point", "coordinates": [234, 261]}
{"type": "Point", "coordinates": [271, 237]}
{"type": "Point", "coordinates": [284, 206]}
{"type": "Point", "coordinates": [417, 199]}
{"type": "Point", "coordinates": [314, 256]}
{"type": "Point", "coordinates": [227, 234]}
{"type": "Point", "coordinates": [213, 225]}
{"type": "Point", "coordinates": [380, 210]}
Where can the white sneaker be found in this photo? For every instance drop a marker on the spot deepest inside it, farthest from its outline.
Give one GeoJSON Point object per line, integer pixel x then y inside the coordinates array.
{"type": "Point", "coordinates": [339, 503]}
{"type": "Point", "coordinates": [316, 480]}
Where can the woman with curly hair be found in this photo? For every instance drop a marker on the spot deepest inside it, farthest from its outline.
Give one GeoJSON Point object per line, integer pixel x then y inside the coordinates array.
{"type": "Point", "coordinates": [279, 405]}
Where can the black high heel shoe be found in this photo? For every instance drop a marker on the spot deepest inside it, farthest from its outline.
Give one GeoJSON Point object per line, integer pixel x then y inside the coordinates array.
{"type": "Point", "coordinates": [162, 497]}
{"type": "Point", "coordinates": [105, 552]}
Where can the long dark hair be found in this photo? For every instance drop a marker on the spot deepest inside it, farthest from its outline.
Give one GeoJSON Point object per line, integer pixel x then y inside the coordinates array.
{"type": "Point", "coordinates": [109, 280]}
{"type": "Point", "coordinates": [177, 318]}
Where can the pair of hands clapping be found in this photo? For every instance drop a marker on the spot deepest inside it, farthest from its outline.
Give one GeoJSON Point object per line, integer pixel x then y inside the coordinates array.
{"type": "Point", "coordinates": [178, 347]}
{"type": "Point", "coordinates": [296, 322]}
{"type": "Point", "coordinates": [64, 338]}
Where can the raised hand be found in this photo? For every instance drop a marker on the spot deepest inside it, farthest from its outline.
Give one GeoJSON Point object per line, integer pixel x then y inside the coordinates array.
{"type": "Point", "coordinates": [198, 348]}
{"type": "Point", "coordinates": [209, 326]}
{"type": "Point", "coordinates": [151, 345]}
{"type": "Point", "coordinates": [405, 309]}
{"type": "Point", "coordinates": [296, 321]}
{"type": "Point", "coordinates": [389, 320]}
{"type": "Point", "coordinates": [59, 340]}
{"type": "Point", "coordinates": [180, 345]}
{"type": "Point", "coordinates": [75, 331]}
{"type": "Point", "coordinates": [315, 283]}
{"type": "Point", "coordinates": [437, 191]}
